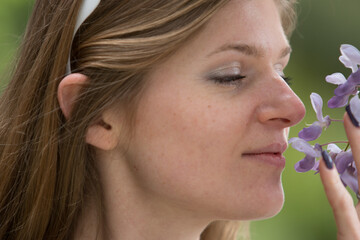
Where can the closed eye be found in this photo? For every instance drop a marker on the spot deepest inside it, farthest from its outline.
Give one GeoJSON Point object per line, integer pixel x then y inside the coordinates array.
{"type": "Point", "coordinates": [227, 79]}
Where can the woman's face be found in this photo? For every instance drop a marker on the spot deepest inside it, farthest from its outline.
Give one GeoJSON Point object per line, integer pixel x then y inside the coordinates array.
{"type": "Point", "coordinates": [213, 121]}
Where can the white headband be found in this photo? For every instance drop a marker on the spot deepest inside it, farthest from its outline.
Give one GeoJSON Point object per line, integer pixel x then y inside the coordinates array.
{"type": "Point", "coordinates": [86, 8]}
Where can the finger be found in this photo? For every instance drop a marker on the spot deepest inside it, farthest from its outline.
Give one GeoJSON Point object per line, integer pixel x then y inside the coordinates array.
{"type": "Point", "coordinates": [353, 134]}
{"type": "Point", "coordinates": [341, 202]}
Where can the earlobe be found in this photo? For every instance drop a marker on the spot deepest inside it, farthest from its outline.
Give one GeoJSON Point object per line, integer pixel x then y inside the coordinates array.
{"type": "Point", "coordinates": [68, 91]}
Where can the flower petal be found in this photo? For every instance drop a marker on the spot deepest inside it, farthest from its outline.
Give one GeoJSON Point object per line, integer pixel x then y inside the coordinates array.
{"type": "Point", "coordinates": [350, 52]}
{"type": "Point", "coordinates": [347, 63]}
{"type": "Point", "coordinates": [302, 146]}
{"type": "Point", "coordinates": [350, 56]}
{"type": "Point", "coordinates": [345, 89]}
{"type": "Point", "coordinates": [317, 104]}
{"type": "Point", "coordinates": [343, 160]}
{"type": "Point", "coordinates": [316, 167]}
{"type": "Point", "coordinates": [336, 78]}
{"type": "Point", "coordinates": [306, 164]}
{"type": "Point", "coordinates": [354, 78]}
{"type": "Point", "coordinates": [311, 133]}
{"type": "Point", "coordinates": [338, 101]}
{"type": "Point", "coordinates": [350, 180]}
{"type": "Point", "coordinates": [333, 148]}
{"type": "Point", "coordinates": [355, 107]}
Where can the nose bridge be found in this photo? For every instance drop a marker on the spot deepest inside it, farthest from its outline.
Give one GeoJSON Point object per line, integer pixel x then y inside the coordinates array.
{"type": "Point", "coordinates": [280, 104]}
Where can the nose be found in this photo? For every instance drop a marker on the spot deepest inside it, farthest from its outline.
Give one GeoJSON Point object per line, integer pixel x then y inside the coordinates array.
{"type": "Point", "coordinates": [280, 106]}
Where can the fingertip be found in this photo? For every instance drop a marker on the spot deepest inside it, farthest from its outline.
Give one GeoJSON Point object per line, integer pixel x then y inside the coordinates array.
{"type": "Point", "coordinates": [328, 172]}
{"type": "Point", "coordinates": [327, 159]}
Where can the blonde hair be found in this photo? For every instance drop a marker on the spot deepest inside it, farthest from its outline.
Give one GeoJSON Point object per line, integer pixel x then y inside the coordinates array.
{"type": "Point", "coordinates": [46, 168]}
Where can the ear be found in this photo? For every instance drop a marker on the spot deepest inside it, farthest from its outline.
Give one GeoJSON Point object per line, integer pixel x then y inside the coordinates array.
{"type": "Point", "coordinates": [106, 132]}
{"type": "Point", "coordinates": [103, 133]}
{"type": "Point", "coordinates": [68, 91]}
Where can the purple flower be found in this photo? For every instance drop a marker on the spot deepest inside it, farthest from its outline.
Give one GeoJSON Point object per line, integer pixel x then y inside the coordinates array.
{"type": "Point", "coordinates": [355, 107]}
{"type": "Point", "coordinates": [349, 178]}
{"type": "Point", "coordinates": [342, 99]}
{"type": "Point", "coordinates": [333, 150]}
{"type": "Point", "coordinates": [314, 131]}
{"type": "Point", "coordinates": [351, 59]}
{"type": "Point", "coordinates": [350, 56]}
{"type": "Point", "coordinates": [344, 90]}
{"type": "Point", "coordinates": [345, 166]}
{"type": "Point", "coordinates": [342, 159]}
{"type": "Point", "coordinates": [309, 161]}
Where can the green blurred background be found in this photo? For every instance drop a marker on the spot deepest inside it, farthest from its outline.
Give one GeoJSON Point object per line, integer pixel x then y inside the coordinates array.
{"type": "Point", "coordinates": [322, 27]}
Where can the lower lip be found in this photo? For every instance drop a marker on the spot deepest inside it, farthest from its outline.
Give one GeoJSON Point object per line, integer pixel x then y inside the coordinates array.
{"type": "Point", "coordinates": [275, 159]}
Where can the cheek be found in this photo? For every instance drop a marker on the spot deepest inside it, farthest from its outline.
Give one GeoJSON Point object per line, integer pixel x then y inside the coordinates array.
{"type": "Point", "coordinates": [189, 132]}
{"type": "Point", "coordinates": [187, 148]}
{"type": "Point", "coordinates": [186, 139]}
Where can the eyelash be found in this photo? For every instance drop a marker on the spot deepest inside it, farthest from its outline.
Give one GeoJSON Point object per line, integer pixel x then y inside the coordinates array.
{"type": "Point", "coordinates": [287, 80]}
{"type": "Point", "coordinates": [231, 79]}
{"type": "Point", "coordinates": [227, 80]}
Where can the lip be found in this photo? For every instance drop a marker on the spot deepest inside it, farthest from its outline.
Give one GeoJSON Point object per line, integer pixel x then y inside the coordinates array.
{"type": "Point", "coordinates": [272, 154]}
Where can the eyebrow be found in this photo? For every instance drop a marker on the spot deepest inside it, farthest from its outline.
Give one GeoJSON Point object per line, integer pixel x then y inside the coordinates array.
{"type": "Point", "coordinates": [249, 50]}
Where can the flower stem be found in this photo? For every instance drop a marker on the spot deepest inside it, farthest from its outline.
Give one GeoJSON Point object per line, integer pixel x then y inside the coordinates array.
{"type": "Point", "coordinates": [336, 120]}
{"type": "Point", "coordinates": [347, 146]}
{"type": "Point", "coordinates": [325, 144]}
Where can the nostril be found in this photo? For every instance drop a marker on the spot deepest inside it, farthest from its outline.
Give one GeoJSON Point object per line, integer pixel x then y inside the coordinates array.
{"type": "Point", "coordinates": [283, 120]}
{"type": "Point", "coordinates": [285, 108]}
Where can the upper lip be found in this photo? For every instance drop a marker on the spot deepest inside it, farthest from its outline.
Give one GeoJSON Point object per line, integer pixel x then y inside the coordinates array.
{"type": "Point", "coordinates": [278, 147]}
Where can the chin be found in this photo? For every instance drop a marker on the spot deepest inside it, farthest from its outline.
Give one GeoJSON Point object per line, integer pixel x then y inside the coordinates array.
{"type": "Point", "coordinates": [270, 206]}
{"type": "Point", "coordinates": [258, 208]}
{"type": "Point", "coordinates": [266, 205]}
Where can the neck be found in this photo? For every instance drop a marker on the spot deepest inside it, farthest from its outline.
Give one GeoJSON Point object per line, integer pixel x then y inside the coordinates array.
{"type": "Point", "coordinates": [132, 214]}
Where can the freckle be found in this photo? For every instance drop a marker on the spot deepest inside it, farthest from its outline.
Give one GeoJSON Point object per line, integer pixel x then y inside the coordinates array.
{"type": "Point", "coordinates": [209, 106]}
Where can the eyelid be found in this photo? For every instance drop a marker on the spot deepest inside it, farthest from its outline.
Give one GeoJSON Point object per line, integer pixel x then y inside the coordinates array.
{"type": "Point", "coordinates": [232, 68]}
{"type": "Point", "coordinates": [279, 68]}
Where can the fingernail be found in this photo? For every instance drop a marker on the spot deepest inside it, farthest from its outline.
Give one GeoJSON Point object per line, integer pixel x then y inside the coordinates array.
{"type": "Point", "coordinates": [327, 159]}
{"type": "Point", "coordinates": [351, 116]}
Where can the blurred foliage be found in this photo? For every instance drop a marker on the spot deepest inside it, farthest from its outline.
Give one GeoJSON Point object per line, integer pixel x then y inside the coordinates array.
{"type": "Point", "coordinates": [322, 27]}
{"type": "Point", "coordinates": [13, 18]}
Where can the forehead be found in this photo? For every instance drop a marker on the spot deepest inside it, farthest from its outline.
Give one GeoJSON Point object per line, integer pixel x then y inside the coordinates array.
{"type": "Point", "coordinates": [246, 23]}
